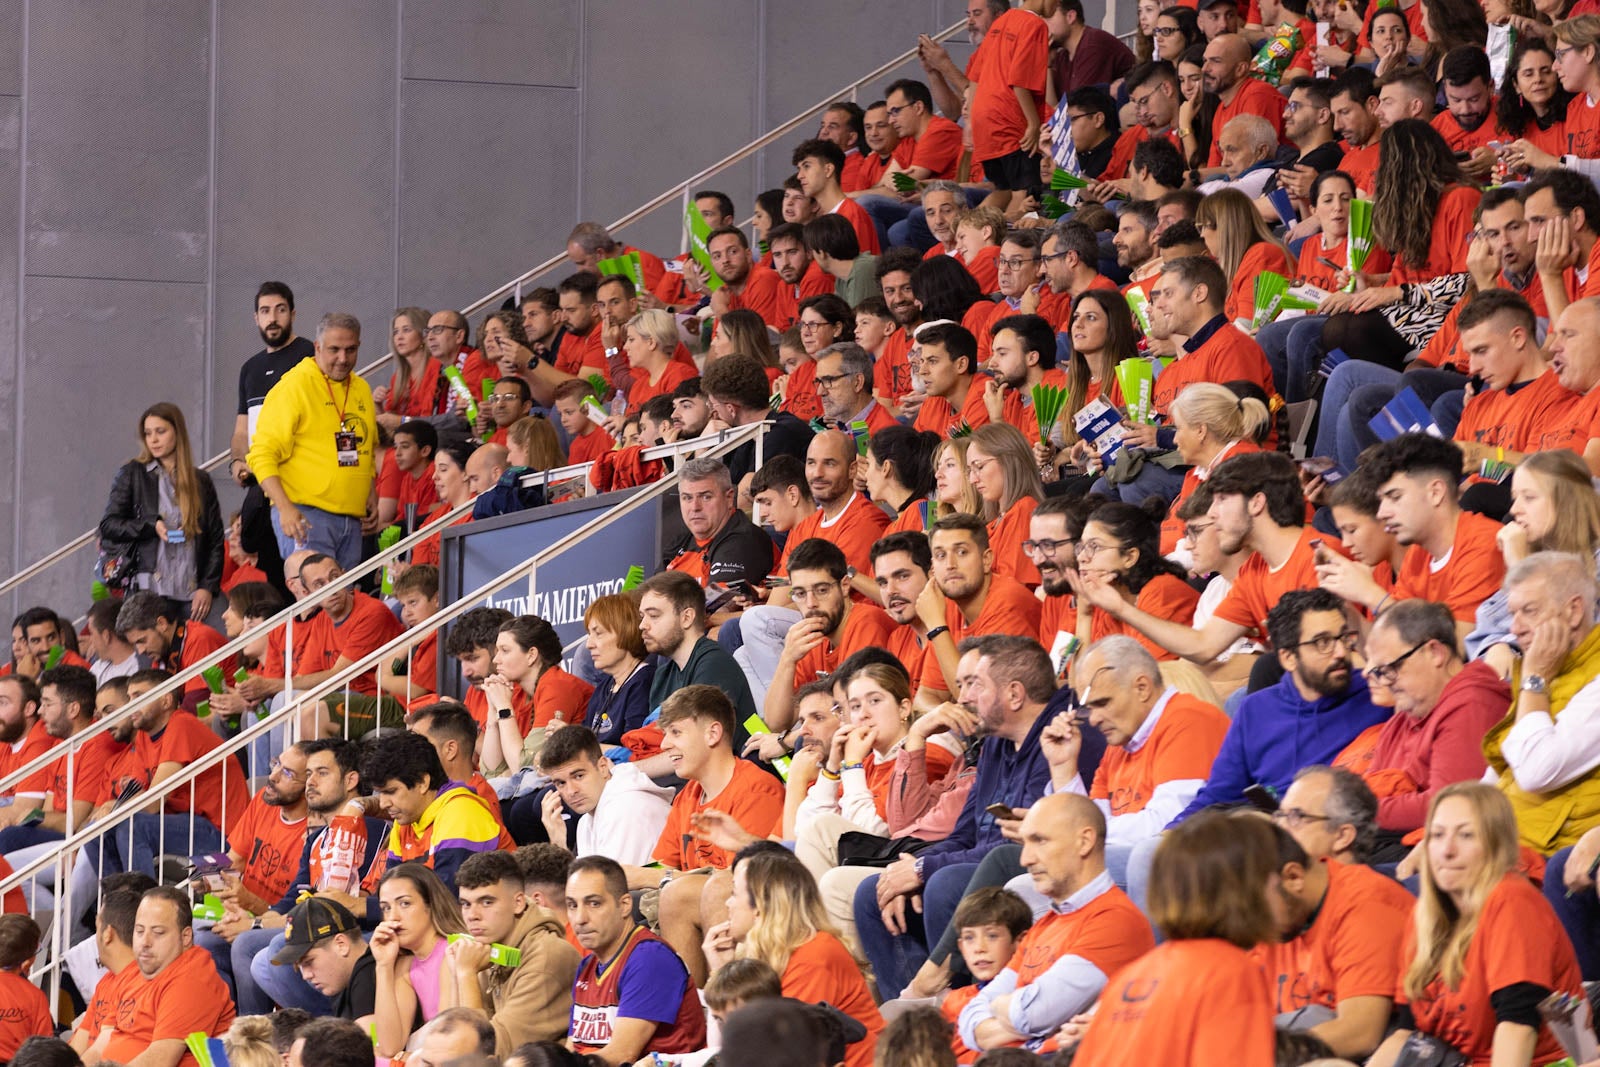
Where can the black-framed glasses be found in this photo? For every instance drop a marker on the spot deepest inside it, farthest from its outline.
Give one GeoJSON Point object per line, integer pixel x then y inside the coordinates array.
{"type": "Point", "coordinates": [1294, 818]}
{"type": "Point", "coordinates": [1325, 643]}
{"type": "Point", "coordinates": [1385, 673]}
{"type": "Point", "coordinates": [1049, 257]}
{"type": "Point", "coordinates": [1045, 547]}
{"type": "Point", "coordinates": [1165, 31]}
{"type": "Point", "coordinates": [826, 380]}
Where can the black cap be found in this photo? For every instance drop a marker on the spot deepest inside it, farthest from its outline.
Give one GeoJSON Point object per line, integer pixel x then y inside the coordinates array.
{"type": "Point", "coordinates": [314, 919]}
{"type": "Point", "coordinates": [1207, 5]}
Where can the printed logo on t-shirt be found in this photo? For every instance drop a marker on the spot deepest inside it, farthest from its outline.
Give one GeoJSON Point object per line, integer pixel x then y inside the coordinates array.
{"type": "Point", "coordinates": [591, 1024]}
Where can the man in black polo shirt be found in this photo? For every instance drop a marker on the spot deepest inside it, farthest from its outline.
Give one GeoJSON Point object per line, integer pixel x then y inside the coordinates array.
{"type": "Point", "coordinates": [722, 544]}
{"type": "Point", "coordinates": [284, 351]}
{"type": "Point", "coordinates": [323, 941]}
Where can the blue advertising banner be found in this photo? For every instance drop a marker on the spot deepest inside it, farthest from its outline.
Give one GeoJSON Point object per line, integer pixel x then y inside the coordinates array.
{"type": "Point", "coordinates": [476, 552]}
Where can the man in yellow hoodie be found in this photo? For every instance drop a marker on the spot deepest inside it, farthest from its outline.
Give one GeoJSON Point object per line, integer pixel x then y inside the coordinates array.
{"type": "Point", "coordinates": [313, 448]}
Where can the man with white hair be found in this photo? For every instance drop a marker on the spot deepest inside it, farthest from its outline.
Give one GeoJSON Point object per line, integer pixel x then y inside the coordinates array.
{"type": "Point", "coordinates": [1249, 146]}
{"type": "Point", "coordinates": [1543, 754]}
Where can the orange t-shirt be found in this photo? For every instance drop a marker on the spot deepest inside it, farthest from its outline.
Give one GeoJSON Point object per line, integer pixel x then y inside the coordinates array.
{"type": "Point", "coordinates": [1348, 950]}
{"type": "Point", "coordinates": [938, 149]}
{"type": "Point", "coordinates": [1259, 587]}
{"type": "Point", "coordinates": [800, 392]}
{"type": "Point", "coordinates": [1447, 248]}
{"type": "Point", "coordinates": [1165, 596]}
{"type": "Point", "coordinates": [1261, 256]}
{"type": "Point", "coordinates": [1516, 418]}
{"type": "Point", "coordinates": [269, 848]}
{"type": "Point", "coordinates": [937, 415]}
{"type": "Point", "coordinates": [1462, 140]}
{"type": "Point", "coordinates": [1015, 52]}
{"type": "Point", "coordinates": [1184, 1004]}
{"type": "Point", "coordinates": [429, 549]}
{"type": "Point", "coordinates": [590, 445]}
{"type": "Point", "coordinates": [1413, 16]}
{"type": "Point", "coordinates": [855, 531]}
{"type": "Point", "coordinates": [556, 690]}
{"type": "Point", "coordinates": [1470, 575]}
{"type": "Point", "coordinates": [752, 796]}
{"type": "Point", "coordinates": [1583, 127]}
{"type": "Point", "coordinates": [861, 222]}
{"type": "Point", "coordinates": [1018, 410]}
{"type": "Point", "coordinates": [1227, 355]}
{"type": "Point", "coordinates": [223, 787]}
{"type": "Point", "coordinates": [873, 166]}
{"type": "Point", "coordinates": [913, 518]}
{"type": "Point", "coordinates": [369, 626]}
{"type": "Point", "coordinates": [1180, 747]}
{"type": "Point", "coordinates": [643, 390]}
{"type": "Point", "coordinates": [1006, 535]}
{"type": "Point", "coordinates": [24, 1013]}
{"type": "Point", "coordinates": [1253, 98]}
{"type": "Point", "coordinates": [865, 626]}
{"type": "Point", "coordinates": [407, 488]}
{"type": "Point", "coordinates": [1008, 608]}
{"type": "Point", "coordinates": [478, 705]}
{"type": "Point", "coordinates": [891, 375]}
{"type": "Point", "coordinates": [1312, 271]}
{"type": "Point", "coordinates": [820, 971]}
{"type": "Point", "coordinates": [904, 645]}
{"type": "Point", "coordinates": [763, 294]}
{"type": "Point", "coordinates": [951, 1007]}
{"type": "Point", "coordinates": [187, 997]}
{"type": "Point", "coordinates": [983, 268]}
{"type": "Point", "coordinates": [91, 766]}
{"type": "Point", "coordinates": [1172, 526]}
{"type": "Point", "coordinates": [1362, 163]}
{"type": "Point", "coordinates": [1518, 939]}
{"type": "Point", "coordinates": [108, 992]}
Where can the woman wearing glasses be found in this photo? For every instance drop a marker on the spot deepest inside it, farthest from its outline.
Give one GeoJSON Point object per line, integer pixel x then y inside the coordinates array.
{"type": "Point", "coordinates": [1120, 547]}
{"type": "Point", "coordinates": [1001, 466]}
{"type": "Point", "coordinates": [1484, 948]}
{"type": "Point", "coordinates": [824, 320]}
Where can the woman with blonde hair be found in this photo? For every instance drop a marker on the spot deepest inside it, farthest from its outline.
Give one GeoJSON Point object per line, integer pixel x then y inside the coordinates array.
{"type": "Point", "coordinates": [1554, 508]}
{"type": "Point", "coordinates": [163, 515]}
{"type": "Point", "coordinates": [652, 338]}
{"type": "Point", "coordinates": [1483, 947]}
{"type": "Point", "coordinates": [417, 388]}
{"type": "Point", "coordinates": [1211, 423]}
{"type": "Point", "coordinates": [775, 915]}
{"type": "Point", "coordinates": [952, 490]}
{"type": "Point", "coordinates": [408, 952]}
{"type": "Point", "coordinates": [1243, 245]}
{"type": "Point", "coordinates": [248, 1042]}
{"type": "Point", "coordinates": [1199, 998]}
{"type": "Point", "coordinates": [1002, 468]}
{"type": "Point", "coordinates": [745, 332]}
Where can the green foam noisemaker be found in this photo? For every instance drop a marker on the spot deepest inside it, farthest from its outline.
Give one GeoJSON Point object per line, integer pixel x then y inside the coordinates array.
{"type": "Point", "coordinates": [859, 431]}
{"type": "Point", "coordinates": [387, 539]}
{"type": "Point", "coordinates": [598, 385]}
{"type": "Point", "coordinates": [458, 386]}
{"type": "Point", "coordinates": [1052, 207]}
{"type": "Point", "coordinates": [961, 429]}
{"type": "Point", "coordinates": [1064, 179]}
{"type": "Point", "coordinates": [699, 230]}
{"type": "Point", "coordinates": [499, 955]}
{"type": "Point", "coordinates": [214, 677]}
{"type": "Point", "coordinates": [1048, 402]}
{"type": "Point", "coordinates": [1358, 245]}
{"type": "Point", "coordinates": [1137, 379]}
{"type": "Point", "coordinates": [1139, 304]}
{"type": "Point", "coordinates": [904, 182]}
{"type": "Point", "coordinates": [210, 907]}
{"type": "Point", "coordinates": [755, 726]}
{"type": "Point", "coordinates": [53, 657]}
{"type": "Point", "coordinates": [99, 591]}
{"type": "Point", "coordinates": [627, 265]}
{"type": "Point", "coordinates": [1272, 298]}
{"type": "Point", "coordinates": [633, 579]}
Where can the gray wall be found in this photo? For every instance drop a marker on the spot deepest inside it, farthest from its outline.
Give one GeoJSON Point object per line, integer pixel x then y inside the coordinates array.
{"type": "Point", "coordinates": [160, 158]}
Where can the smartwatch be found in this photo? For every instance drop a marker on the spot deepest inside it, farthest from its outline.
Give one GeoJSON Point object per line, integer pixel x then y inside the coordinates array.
{"type": "Point", "coordinates": [505, 713]}
{"type": "Point", "coordinates": [936, 631]}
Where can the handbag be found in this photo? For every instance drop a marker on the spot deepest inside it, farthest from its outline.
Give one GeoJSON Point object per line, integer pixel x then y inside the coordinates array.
{"type": "Point", "coordinates": [857, 849]}
{"type": "Point", "coordinates": [1425, 1050]}
{"type": "Point", "coordinates": [115, 567]}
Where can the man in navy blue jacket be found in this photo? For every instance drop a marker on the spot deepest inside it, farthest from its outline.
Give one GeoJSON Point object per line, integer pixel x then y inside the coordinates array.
{"type": "Point", "coordinates": [1006, 681]}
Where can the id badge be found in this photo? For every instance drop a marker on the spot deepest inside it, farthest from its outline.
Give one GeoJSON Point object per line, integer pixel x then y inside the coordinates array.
{"type": "Point", "coordinates": [344, 445]}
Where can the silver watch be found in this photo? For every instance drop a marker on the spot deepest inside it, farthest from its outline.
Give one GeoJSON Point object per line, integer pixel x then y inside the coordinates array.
{"type": "Point", "coordinates": [1533, 683]}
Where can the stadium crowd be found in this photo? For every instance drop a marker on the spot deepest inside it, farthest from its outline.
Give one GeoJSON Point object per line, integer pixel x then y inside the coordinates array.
{"type": "Point", "coordinates": [1103, 665]}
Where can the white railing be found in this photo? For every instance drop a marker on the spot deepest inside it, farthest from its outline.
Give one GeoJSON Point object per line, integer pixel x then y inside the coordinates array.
{"type": "Point", "coordinates": [679, 193]}
{"type": "Point", "coordinates": [78, 838]}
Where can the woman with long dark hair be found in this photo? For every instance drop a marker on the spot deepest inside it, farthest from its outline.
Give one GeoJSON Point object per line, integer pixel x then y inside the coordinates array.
{"type": "Point", "coordinates": [164, 516]}
{"type": "Point", "coordinates": [1451, 24]}
{"type": "Point", "coordinates": [1422, 212]}
{"type": "Point", "coordinates": [1199, 108]}
{"type": "Point", "coordinates": [1121, 547]}
{"type": "Point", "coordinates": [1533, 102]}
{"type": "Point", "coordinates": [899, 475]}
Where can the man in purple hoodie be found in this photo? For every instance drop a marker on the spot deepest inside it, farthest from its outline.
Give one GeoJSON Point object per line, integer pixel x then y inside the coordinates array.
{"type": "Point", "coordinates": [1319, 706]}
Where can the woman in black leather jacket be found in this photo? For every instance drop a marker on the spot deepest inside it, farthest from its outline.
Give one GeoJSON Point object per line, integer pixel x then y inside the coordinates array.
{"type": "Point", "coordinates": [163, 513]}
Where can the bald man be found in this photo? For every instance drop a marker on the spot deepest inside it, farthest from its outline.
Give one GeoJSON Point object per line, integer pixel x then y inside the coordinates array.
{"type": "Point", "coordinates": [1574, 345]}
{"type": "Point", "coordinates": [485, 466]}
{"type": "Point", "coordinates": [1226, 72]}
{"type": "Point", "coordinates": [1090, 931]}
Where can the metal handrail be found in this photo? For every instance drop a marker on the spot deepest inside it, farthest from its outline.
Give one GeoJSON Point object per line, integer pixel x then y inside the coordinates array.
{"type": "Point", "coordinates": [516, 284]}
{"type": "Point", "coordinates": [727, 440]}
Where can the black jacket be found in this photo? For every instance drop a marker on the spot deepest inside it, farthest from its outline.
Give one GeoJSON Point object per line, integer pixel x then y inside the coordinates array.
{"type": "Point", "coordinates": [130, 523]}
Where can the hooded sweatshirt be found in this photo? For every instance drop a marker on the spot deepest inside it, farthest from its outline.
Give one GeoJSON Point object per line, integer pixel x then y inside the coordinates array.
{"type": "Point", "coordinates": [532, 1001]}
{"type": "Point", "coordinates": [1442, 747]}
{"type": "Point", "coordinates": [628, 821]}
{"type": "Point", "coordinates": [1277, 731]}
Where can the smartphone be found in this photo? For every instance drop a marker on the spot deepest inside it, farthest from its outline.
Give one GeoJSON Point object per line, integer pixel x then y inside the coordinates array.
{"type": "Point", "coordinates": [1316, 465]}
{"type": "Point", "coordinates": [774, 582]}
{"type": "Point", "coordinates": [1319, 551]}
{"type": "Point", "coordinates": [1261, 798]}
{"type": "Point", "coordinates": [718, 596]}
{"type": "Point", "coordinates": [1003, 811]}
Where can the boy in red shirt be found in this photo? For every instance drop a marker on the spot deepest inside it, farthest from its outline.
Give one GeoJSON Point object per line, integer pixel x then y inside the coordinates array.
{"type": "Point", "coordinates": [588, 440]}
{"type": "Point", "coordinates": [406, 492]}
{"type": "Point", "coordinates": [414, 673]}
{"type": "Point", "coordinates": [988, 922]}
{"type": "Point", "coordinates": [819, 164]}
{"type": "Point", "coordinates": [24, 1011]}
{"type": "Point", "coordinates": [1009, 72]}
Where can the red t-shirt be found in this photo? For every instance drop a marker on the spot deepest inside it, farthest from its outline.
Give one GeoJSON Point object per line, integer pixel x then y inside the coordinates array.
{"type": "Point", "coordinates": [184, 740]}
{"type": "Point", "coordinates": [1583, 127]}
{"type": "Point", "coordinates": [35, 743]}
{"type": "Point", "coordinates": [1518, 939]}
{"type": "Point", "coordinates": [1447, 249]}
{"type": "Point", "coordinates": [270, 848]}
{"type": "Point", "coordinates": [1471, 573]}
{"type": "Point", "coordinates": [24, 1013]}
{"type": "Point", "coordinates": [1348, 950]}
{"type": "Point", "coordinates": [368, 627]}
{"type": "Point", "coordinates": [937, 415]}
{"type": "Point", "coordinates": [763, 294]}
{"type": "Point", "coordinates": [556, 691]}
{"type": "Point", "coordinates": [1253, 98]}
{"type": "Point", "coordinates": [583, 353]}
{"type": "Point", "coordinates": [92, 766]}
{"type": "Point", "coordinates": [1180, 747]}
{"type": "Point", "coordinates": [423, 398]}
{"type": "Point", "coordinates": [938, 149]}
{"type": "Point", "coordinates": [1261, 256]}
{"type": "Point", "coordinates": [855, 530]}
{"type": "Point", "coordinates": [187, 997]}
{"type": "Point", "coordinates": [1014, 53]}
{"type": "Point", "coordinates": [1008, 608]}
{"type": "Point", "coordinates": [873, 166]}
{"type": "Point", "coordinates": [14, 901]}
{"type": "Point", "coordinates": [102, 1010]}
{"type": "Point", "coordinates": [193, 645]}
{"type": "Point", "coordinates": [521, 707]}
{"type": "Point", "coordinates": [1461, 140]}
{"type": "Point", "coordinates": [126, 764]}
{"type": "Point", "coordinates": [1006, 535]}
{"type": "Point", "coordinates": [1362, 164]}
{"type": "Point", "coordinates": [590, 445]}
{"type": "Point", "coordinates": [752, 796]}
{"type": "Point", "coordinates": [1413, 16]}
{"type": "Point", "coordinates": [1258, 587]}
{"type": "Point", "coordinates": [1195, 1003]}
{"type": "Point", "coordinates": [1312, 271]}
{"type": "Point", "coordinates": [865, 626]}
{"type": "Point", "coordinates": [644, 390]}
{"type": "Point", "coordinates": [1227, 355]}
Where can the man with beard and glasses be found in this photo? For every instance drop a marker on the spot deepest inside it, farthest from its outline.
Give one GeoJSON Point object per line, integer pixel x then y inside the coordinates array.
{"type": "Point", "coordinates": [844, 386]}
{"type": "Point", "coordinates": [264, 848]}
{"type": "Point", "coordinates": [831, 626]}
{"type": "Point", "coordinates": [341, 843]}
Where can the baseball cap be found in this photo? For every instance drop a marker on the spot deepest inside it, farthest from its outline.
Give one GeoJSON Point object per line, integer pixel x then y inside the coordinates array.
{"type": "Point", "coordinates": [312, 920]}
{"type": "Point", "coordinates": [1207, 5]}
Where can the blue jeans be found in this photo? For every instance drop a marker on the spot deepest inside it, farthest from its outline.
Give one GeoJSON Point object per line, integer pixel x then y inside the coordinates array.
{"type": "Point", "coordinates": [1432, 386]}
{"type": "Point", "coordinates": [333, 535]}
{"type": "Point", "coordinates": [1152, 480]}
{"type": "Point", "coordinates": [233, 964]}
{"type": "Point", "coordinates": [1294, 351]}
{"type": "Point", "coordinates": [1579, 914]}
{"type": "Point", "coordinates": [896, 958]}
{"type": "Point", "coordinates": [282, 984]}
{"type": "Point", "coordinates": [1336, 435]}
{"type": "Point", "coordinates": [135, 847]}
{"type": "Point", "coordinates": [885, 212]}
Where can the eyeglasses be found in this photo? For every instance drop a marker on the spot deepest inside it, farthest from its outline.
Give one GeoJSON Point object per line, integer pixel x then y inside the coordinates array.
{"type": "Point", "coordinates": [1386, 673]}
{"type": "Point", "coordinates": [503, 398]}
{"type": "Point", "coordinates": [1045, 548]}
{"type": "Point", "coordinates": [278, 770]}
{"type": "Point", "coordinates": [1091, 549]}
{"type": "Point", "coordinates": [1563, 53]}
{"type": "Point", "coordinates": [1294, 818]}
{"type": "Point", "coordinates": [1193, 530]}
{"type": "Point", "coordinates": [1165, 31]}
{"type": "Point", "coordinates": [1143, 101]}
{"type": "Point", "coordinates": [443, 329]}
{"type": "Point", "coordinates": [1017, 263]}
{"type": "Point", "coordinates": [1325, 643]}
{"type": "Point", "coordinates": [807, 327]}
{"type": "Point", "coordinates": [827, 380]}
{"type": "Point", "coordinates": [1053, 257]}
{"type": "Point", "coordinates": [977, 468]}
{"type": "Point", "coordinates": [1292, 106]}
{"type": "Point", "coordinates": [893, 111]}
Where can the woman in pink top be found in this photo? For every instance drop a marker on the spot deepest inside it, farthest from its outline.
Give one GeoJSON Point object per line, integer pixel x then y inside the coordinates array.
{"type": "Point", "coordinates": [408, 947]}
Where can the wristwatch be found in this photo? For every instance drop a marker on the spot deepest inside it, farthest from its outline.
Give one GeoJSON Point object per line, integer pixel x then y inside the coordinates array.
{"type": "Point", "coordinates": [936, 631]}
{"type": "Point", "coordinates": [1534, 683]}
{"type": "Point", "coordinates": [612, 351]}
{"type": "Point", "coordinates": [505, 713]}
